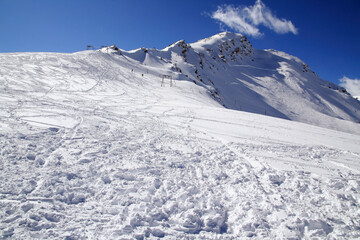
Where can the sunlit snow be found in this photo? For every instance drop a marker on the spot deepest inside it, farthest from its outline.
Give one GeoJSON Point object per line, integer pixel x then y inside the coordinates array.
{"type": "Point", "coordinates": [92, 147]}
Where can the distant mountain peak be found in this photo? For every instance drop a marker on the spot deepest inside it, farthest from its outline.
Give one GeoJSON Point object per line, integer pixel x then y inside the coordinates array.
{"type": "Point", "coordinates": [226, 45]}
{"type": "Point", "coordinates": [233, 74]}
{"type": "Point", "coordinates": [180, 44]}
{"type": "Point", "coordinates": [223, 36]}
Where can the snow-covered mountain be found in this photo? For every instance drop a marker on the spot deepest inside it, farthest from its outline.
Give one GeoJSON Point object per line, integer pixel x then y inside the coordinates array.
{"type": "Point", "coordinates": [115, 144]}
{"type": "Point", "coordinates": [243, 78]}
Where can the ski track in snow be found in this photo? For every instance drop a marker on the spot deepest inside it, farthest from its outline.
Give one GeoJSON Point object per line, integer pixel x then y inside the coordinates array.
{"type": "Point", "coordinates": [106, 158]}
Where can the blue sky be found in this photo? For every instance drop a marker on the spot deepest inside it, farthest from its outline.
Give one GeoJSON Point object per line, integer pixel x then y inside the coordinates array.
{"type": "Point", "coordinates": [328, 32]}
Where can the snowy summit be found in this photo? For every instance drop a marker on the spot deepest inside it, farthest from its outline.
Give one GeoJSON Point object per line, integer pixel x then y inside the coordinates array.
{"type": "Point", "coordinates": [242, 78]}
{"type": "Point", "coordinates": [208, 140]}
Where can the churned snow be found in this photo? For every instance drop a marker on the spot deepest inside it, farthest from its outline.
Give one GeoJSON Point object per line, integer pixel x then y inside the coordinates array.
{"type": "Point", "coordinates": [92, 147]}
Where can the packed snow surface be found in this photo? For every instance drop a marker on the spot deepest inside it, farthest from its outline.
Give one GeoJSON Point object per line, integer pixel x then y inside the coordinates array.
{"type": "Point", "coordinates": [93, 145]}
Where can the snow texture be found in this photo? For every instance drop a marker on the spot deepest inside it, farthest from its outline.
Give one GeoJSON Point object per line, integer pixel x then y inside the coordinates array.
{"type": "Point", "coordinates": [92, 147]}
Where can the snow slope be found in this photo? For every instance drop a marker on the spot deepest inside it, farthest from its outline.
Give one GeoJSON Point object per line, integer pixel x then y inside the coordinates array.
{"type": "Point", "coordinates": [267, 82]}
{"type": "Point", "coordinates": [92, 147]}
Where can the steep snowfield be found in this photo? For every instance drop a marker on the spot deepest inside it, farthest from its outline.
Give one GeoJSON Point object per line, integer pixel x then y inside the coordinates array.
{"type": "Point", "coordinates": [92, 147]}
{"type": "Point", "coordinates": [273, 83]}
{"type": "Point", "coordinates": [267, 82]}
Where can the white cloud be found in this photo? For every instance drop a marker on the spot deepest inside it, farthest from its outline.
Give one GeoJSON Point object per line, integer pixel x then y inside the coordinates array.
{"type": "Point", "coordinates": [351, 85]}
{"type": "Point", "coordinates": [231, 17]}
{"type": "Point", "coordinates": [247, 19]}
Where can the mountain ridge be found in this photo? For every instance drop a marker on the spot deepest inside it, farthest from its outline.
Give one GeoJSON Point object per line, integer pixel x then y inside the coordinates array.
{"type": "Point", "coordinates": [229, 70]}
{"type": "Point", "coordinates": [241, 77]}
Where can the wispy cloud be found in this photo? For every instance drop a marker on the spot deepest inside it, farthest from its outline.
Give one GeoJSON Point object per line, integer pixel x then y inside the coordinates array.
{"type": "Point", "coordinates": [351, 85]}
{"type": "Point", "coordinates": [246, 19]}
